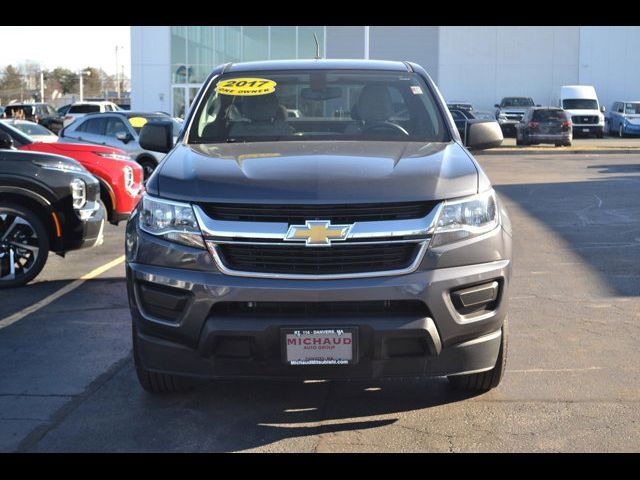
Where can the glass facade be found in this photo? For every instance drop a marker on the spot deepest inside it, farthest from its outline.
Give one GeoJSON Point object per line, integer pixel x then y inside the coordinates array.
{"type": "Point", "coordinates": [196, 50]}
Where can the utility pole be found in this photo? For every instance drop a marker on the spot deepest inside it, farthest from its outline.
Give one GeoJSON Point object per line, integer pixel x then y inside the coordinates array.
{"type": "Point", "coordinates": [117, 72]}
{"type": "Point", "coordinates": [82, 73]}
{"type": "Point", "coordinates": [41, 85]}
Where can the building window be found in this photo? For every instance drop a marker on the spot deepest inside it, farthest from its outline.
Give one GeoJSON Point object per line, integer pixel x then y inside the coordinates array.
{"type": "Point", "coordinates": [196, 50]}
{"type": "Point", "coordinates": [283, 42]}
{"type": "Point", "coordinates": [255, 43]}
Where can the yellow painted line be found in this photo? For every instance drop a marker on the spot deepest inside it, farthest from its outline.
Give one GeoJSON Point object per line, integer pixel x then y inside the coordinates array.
{"type": "Point", "coordinates": [5, 322]}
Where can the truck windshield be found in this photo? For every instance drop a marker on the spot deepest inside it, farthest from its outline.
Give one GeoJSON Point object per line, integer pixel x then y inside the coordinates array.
{"type": "Point", "coordinates": [517, 102]}
{"type": "Point", "coordinates": [579, 104]}
{"type": "Point", "coordinates": [326, 105]}
{"type": "Point", "coordinates": [632, 108]}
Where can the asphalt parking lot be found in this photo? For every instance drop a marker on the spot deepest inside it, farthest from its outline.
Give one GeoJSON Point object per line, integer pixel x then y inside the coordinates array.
{"type": "Point", "coordinates": [572, 384]}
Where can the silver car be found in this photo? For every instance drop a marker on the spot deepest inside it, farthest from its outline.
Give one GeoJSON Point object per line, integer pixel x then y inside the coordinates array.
{"type": "Point", "coordinates": [118, 130]}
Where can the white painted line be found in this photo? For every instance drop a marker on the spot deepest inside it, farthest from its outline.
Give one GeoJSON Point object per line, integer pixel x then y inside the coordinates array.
{"type": "Point", "coordinates": [545, 370]}
{"type": "Point", "coordinates": [5, 322]}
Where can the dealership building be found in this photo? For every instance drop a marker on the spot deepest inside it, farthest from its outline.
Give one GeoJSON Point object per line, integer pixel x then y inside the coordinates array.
{"type": "Point", "coordinates": [476, 64]}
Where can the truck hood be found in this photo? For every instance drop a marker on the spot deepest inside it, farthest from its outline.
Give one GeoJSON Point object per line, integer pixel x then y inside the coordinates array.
{"type": "Point", "coordinates": [316, 172]}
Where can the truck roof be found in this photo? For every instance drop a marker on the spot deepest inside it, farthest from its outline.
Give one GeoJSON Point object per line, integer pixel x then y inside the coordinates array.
{"type": "Point", "coordinates": [322, 64]}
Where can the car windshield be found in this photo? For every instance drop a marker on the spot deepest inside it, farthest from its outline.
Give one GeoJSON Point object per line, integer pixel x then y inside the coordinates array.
{"type": "Point", "coordinates": [32, 129]}
{"type": "Point", "coordinates": [549, 116]}
{"type": "Point", "coordinates": [579, 104]}
{"type": "Point", "coordinates": [84, 108]}
{"type": "Point", "coordinates": [632, 108]}
{"type": "Point", "coordinates": [139, 121]}
{"type": "Point", "coordinates": [517, 102]}
{"type": "Point", "coordinates": [318, 105]}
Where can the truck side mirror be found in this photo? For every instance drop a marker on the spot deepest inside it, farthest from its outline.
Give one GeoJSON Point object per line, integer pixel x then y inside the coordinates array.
{"type": "Point", "coordinates": [157, 136]}
{"type": "Point", "coordinates": [497, 105]}
{"type": "Point", "coordinates": [483, 134]}
{"type": "Point", "coordinates": [602, 109]}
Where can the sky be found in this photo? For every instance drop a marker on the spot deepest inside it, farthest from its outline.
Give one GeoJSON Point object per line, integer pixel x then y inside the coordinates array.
{"type": "Point", "coordinates": [69, 47]}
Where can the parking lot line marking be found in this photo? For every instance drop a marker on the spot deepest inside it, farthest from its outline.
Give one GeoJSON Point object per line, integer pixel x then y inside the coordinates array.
{"type": "Point", "coordinates": [5, 322]}
{"type": "Point", "coordinates": [554, 370]}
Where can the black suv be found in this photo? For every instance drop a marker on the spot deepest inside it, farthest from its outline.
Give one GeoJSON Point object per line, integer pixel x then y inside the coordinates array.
{"type": "Point", "coordinates": [47, 203]}
{"type": "Point", "coordinates": [41, 113]}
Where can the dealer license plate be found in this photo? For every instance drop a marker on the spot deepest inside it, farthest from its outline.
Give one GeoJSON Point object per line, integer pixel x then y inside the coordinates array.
{"type": "Point", "coordinates": [319, 346]}
{"type": "Point", "coordinates": [585, 129]}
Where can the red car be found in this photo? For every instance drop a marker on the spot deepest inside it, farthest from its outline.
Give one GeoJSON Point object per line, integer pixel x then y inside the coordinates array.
{"type": "Point", "coordinates": [120, 177]}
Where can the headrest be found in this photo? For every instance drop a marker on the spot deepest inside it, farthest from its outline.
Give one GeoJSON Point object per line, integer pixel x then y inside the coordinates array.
{"type": "Point", "coordinates": [261, 108]}
{"type": "Point", "coordinates": [374, 104]}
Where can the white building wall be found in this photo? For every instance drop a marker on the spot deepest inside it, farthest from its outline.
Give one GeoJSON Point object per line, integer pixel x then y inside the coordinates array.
{"type": "Point", "coordinates": [484, 64]}
{"type": "Point", "coordinates": [150, 68]}
{"type": "Point", "coordinates": [609, 61]}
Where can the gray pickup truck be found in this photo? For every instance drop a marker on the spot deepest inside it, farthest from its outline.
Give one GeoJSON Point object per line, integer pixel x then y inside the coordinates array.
{"type": "Point", "coordinates": [510, 111]}
{"type": "Point", "coordinates": [357, 239]}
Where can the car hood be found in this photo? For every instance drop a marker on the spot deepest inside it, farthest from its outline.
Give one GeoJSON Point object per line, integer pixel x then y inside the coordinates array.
{"type": "Point", "coordinates": [66, 148]}
{"type": "Point", "coordinates": [316, 172]}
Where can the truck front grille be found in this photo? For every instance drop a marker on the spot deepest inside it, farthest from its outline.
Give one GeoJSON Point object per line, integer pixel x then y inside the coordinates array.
{"type": "Point", "coordinates": [337, 259]}
{"type": "Point", "coordinates": [388, 308]}
{"type": "Point", "coordinates": [584, 119]}
{"type": "Point", "coordinates": [336, 213]}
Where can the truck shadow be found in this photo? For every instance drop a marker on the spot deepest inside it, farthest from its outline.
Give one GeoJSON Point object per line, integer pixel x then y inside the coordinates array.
{"type": "Point", "coordinates": [598, 220]}
{"type": "Point", "coordinates": [238, 415]}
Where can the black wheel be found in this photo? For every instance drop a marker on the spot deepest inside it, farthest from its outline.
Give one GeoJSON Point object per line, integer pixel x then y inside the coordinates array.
{"type": "Point", "coordinates": [148, 166]}
{"type": "Point", "coordinates": [158, 383]}
{"type": "Point", "coordinates": [24, 245]}
{"type": "Point", "coordinates": [518, 141]}
{"type": "Point", "coordinates": [567, 143]}
{"type": "Point", "coordinates": [558, 144]}
{"type": "Point", "coordinates": [485, 381]}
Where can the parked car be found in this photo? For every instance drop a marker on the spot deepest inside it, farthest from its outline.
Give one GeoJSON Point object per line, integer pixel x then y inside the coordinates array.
{"type": "Point", "coordinates": [37, 132]}
{"type": "Point", "coordinates": [363, 245]}
{"type": "Point", "coordinates": [1, 111]}
{"type": "Point", "coordinates": [544, 125]}
{"type": "Point", "coordinates": [41, 113]}
{"type": "Point", "coordinates": [47, 203]}
{"type": "Point", "coordinates": [623, 119]}
{"type": "Point", "coordinates": [463, 118]}
{"type": "Point", "coordinates": [510, 111]}
{"type": "Point", "coordinates": [62, 111]}
{"type": "Point", "coordinates": [119, 130]}
{"type": "Point", "coordinates": [120, 178]}
{"type": "Point", "coordinates": [460, 105]}
{"type": "Point", "coordinates": [80, 109]}
{"type": "Point", "coordinates": [581, 103]}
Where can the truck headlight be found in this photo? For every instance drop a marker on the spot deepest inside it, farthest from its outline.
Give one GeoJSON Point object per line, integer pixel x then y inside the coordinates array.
{"type": "Point", "coordinates": [466, 218]}
{"type": "Point", "coordinates": [78, 193]}
{"type": "Point", "coordinates": [173, 221]}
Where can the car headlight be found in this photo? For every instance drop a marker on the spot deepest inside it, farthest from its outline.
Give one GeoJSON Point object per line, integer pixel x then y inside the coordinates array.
{"type": "Point", "coordinates": [59, 166]}
{"type": "Point", "coordinates": [78, 193]}
{"type": "Point", "coordinates": [129, 180]}
{"type": "Point", "coordinates": [174, 221]}
{"type": "Point", "coordinates": [115, 156]}
{"type": "Point", "coordinates": [466, 218]}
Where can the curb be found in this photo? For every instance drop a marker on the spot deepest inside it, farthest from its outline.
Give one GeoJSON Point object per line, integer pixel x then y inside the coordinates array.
{"type": "Point", "coordinates": [556, 151]}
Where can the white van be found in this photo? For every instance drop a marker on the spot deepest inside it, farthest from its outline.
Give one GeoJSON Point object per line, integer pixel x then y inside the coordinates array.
{"type": "Point", "coordinates": [581, 103]}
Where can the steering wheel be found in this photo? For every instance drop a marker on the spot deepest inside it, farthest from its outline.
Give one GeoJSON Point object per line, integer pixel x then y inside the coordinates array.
{"type": "Point", "coordinates": [385, 126]}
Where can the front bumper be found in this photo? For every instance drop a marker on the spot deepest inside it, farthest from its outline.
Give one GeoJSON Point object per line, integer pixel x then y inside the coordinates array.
{"type": "Point", "coordinates": [588, 128]}
{"type": "Point", "coordinates": [84, 232]}
{"type": "Point", "coordinates": [201, 342]}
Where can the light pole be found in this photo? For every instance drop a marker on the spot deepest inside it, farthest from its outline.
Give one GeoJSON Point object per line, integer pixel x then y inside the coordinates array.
{"type": "Point", "coordinates": [82, 73]}
{"type": "Point", "coordinates": [117, 76]}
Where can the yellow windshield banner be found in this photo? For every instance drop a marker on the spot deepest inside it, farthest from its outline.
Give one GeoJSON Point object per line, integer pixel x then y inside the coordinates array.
{"type": "Point", "coordinates": [137, 122]}
{"type": "Point", "coordinates": [246, 86]}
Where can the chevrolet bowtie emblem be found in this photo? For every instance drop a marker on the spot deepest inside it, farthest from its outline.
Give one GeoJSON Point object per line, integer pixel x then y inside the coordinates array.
{"type": "Point", "coordinates": [317, 233]}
